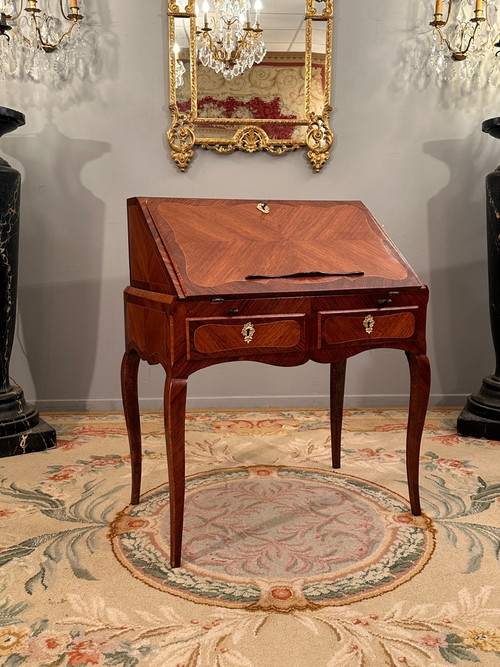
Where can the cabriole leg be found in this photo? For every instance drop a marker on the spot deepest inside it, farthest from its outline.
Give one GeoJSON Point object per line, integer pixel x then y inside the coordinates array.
{"type": "Point", "coordinates": [420, 377]}
{"type": "Point", "coordinates": [130, 367]}
{"type": "Point", "coordinates": [175, 415]}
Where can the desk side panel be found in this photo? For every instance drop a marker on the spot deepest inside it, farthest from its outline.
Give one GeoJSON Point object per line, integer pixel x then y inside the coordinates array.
{"type": "Point", "coordinates": [148, 328]}
{"type": "Point", "coordinates": [148, 260]}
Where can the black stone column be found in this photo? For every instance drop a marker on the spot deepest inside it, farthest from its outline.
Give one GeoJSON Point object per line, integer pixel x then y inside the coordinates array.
{"type": "Point", "coordinates": [481, 416]}
{"type": "Point", "coordinates": [21, 429]}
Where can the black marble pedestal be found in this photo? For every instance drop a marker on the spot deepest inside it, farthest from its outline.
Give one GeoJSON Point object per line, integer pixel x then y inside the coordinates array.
{"type": "Point", "coordinates": [21, 429]}
{"type": "Point", "coordinates": [481, 416]}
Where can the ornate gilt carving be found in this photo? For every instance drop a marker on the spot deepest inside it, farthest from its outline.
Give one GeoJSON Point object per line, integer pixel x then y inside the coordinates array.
{"type": "Point", "coordinates": [251, 139]}
{"type": "Point", "coordinates": [181, 138]}
{"type": "Point", "coordinates": [209, 144]}
{"type": "Point", "coordinates": [312, 9]}
{"type": "Point", "coordinates": [281, 149]}
{"type": "Point", "coordinates": [174, 9]}
{"type": "Point", "coordinates": [319, 139]}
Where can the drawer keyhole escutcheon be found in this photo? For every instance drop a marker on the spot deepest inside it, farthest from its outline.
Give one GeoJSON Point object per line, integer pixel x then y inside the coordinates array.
{"type": "Point", "coordinates": [368, 324]}
{"type": "Point", "coordinates": [247, 332]}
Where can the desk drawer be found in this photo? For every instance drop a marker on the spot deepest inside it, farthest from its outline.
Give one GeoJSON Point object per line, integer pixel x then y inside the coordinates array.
{"type": "Point", "coordinates": [359, 326]}
{"type": "Point", "coordinates": [249, 335]}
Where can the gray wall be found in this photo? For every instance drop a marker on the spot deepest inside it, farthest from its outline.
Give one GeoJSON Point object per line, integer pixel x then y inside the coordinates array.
{"type": "Point", "coordinates": [412, 152]}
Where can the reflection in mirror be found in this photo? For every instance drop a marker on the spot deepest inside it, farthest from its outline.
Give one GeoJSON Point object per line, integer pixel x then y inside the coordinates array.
{"type": "Point", "coordinates": [319, 66]}
{"type": "Point", "coordinates": [229, 39]}
{"type": "Point", "coordinates": [224, 96]}
{"type": "Point", "coordinates": [181, 56]}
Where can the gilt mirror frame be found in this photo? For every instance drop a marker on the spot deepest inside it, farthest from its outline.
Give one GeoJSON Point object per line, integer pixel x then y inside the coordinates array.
{"type": "Point", "coordinates": [248, 134]}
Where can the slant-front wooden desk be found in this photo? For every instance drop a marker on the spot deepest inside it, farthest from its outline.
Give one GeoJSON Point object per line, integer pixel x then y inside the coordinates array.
{"type": "Point", "coordinates": [281, 283]}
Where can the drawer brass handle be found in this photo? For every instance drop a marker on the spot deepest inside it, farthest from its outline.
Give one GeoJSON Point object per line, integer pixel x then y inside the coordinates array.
{"type": "Point", "coordinates": [368, 324]}
{"type": "Point", "coordinates": [247, 332]}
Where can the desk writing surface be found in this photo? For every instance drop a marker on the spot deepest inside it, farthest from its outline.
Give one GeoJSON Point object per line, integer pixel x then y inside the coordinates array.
{"type": "Point", "coordinates": [210, 246]}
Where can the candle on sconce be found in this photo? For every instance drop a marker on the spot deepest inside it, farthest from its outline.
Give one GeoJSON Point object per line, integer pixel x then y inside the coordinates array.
{"type": "Point", "coordinates": [73, 4]}
{"type": "Point", "coordinates": [479, 7]}
{"type": "Point", "coordinates": [205, 8]}
{"type": "Point", "coordinates": [176, 48]}
{"type": "Point", "coordinates": [257, 7]}
{"type": "Point", "coordinates": [439, 7]}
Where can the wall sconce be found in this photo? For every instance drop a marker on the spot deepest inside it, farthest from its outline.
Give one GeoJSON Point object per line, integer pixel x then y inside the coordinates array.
{"type": "Point", "coordinates": [29, 33]}
{"type": "Point", "coordinates": [465, 41]}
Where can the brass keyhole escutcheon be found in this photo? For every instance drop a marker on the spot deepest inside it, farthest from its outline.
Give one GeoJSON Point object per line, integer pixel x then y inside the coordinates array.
{"type": "Point", "coordinates": [247, 332]}
{"type": "Point", "coordinates": [368, 324]}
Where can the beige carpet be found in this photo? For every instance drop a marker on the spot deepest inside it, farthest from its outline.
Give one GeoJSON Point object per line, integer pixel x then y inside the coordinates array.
{"type": "Point", "coordinates": [286, 563]}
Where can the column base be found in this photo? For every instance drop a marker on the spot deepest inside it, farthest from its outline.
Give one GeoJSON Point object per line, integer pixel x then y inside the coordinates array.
{"type": "Point", "coordinates": [21, 429]}
{"type": "Point", "coordinates": [36, 439]}
{"type": "Point", "coordinates": [481, 416]}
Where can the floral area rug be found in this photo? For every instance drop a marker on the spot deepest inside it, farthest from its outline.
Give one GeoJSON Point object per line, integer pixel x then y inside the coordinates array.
{"type": "Point", "coordinates": [286, 562]}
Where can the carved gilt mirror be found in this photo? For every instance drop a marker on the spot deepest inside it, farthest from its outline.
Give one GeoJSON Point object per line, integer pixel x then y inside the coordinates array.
{"type": "Point", "coordinates": [250, 76]}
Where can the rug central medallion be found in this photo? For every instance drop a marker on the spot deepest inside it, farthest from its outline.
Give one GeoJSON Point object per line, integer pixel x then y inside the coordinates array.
{"type": "Point", "coordinates": [279, 538]}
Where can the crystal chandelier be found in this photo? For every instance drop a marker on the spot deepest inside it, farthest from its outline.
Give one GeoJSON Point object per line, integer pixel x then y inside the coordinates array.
{"type": "Point", "coordinates": [466, 41]}
{"type": "Point", "coordinates": [230, 44]}
{"type": "Point", "coordinates": [30, 33]}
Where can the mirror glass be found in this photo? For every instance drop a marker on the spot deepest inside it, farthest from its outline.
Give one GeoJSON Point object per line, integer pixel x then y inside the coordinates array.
{"type": "Point", "coordinates": [224, 102]}
{"type": "Point", "coordinates": [182, 59]}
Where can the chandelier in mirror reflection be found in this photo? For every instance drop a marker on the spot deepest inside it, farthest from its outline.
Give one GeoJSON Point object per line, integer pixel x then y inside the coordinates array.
{"type": "Point", "coordinates": [230, 41]}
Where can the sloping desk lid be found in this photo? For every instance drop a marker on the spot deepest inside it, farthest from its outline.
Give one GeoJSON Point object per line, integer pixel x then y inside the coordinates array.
{"type": "Point", "coordinates": [212, 246]}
